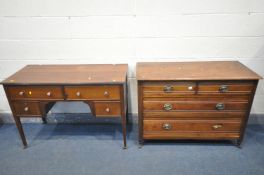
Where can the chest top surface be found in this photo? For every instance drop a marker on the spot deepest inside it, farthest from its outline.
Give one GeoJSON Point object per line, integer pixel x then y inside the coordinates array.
{"type": "Point", "coordinates": [204, 70]}
{"type": "Point", "coordinates": [69, 74]}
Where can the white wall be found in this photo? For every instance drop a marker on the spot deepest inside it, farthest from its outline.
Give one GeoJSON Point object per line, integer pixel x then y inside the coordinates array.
{"type": "Point", "coordinates": [127, 31]}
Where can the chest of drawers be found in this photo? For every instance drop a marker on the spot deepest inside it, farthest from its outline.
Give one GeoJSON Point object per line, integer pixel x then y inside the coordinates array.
{"type": "Point", "coordinates": [33, 91]}
{"type": "Point", "coordinates": [194, 100]}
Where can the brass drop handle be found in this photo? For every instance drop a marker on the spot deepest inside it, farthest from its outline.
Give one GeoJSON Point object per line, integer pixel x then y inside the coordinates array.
{"type": "Point", "coordinates": [49, 94]}
{"type": "Point", "coordinates": [106, 93]}
{"type": "Point", "coordinates": [167, 106]}
{"type": "Point", "coordinates": [26, 109]}
{"type": "Point", "coordinates": [168, 88]}
{"type": "Point", "coordinates": [217, 126]}
{"type": "Point", "coordinates": [107, 110]}
{"type": "Point", "coordinates": [78, 94]}
{"type": "Point", "coordinates": [166, 126]}
{"type": "Point", "coordinates": [223, 88]}
{"type": "Point", "coordinates": [21, 93]}
{"type": "Point", "coordinates": [220, 106]}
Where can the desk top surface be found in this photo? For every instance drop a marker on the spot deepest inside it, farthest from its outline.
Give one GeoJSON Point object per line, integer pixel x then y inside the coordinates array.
{"type": "Point", "coordinates": [69, 74]}
{"type": "Point", "coordinates": [204, 70]}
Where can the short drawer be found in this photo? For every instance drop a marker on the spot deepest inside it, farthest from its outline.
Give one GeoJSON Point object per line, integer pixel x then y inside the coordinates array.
{"type": "Point", "coordinates": [168, 89]}
{"type": "Point", "coordinates": [93, 92]}
{"type": "Point", "coordinates": [26, 109]}
{"type": "Point", "coordinates": [225, 88]}
{"type": "Point", "coordinates": [112, 109]}
{"type": "Point", "coordinates": [35, 92]}
{"type": "Point", "coordinates": [194, 105]}
{"type": "Point", "coordinates": [192, 125]}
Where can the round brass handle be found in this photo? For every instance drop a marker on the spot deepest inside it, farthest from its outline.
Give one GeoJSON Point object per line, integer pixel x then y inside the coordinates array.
{"type": "Point", "coordinates": [220, 106]}
{"type": "Point", "coordinates": [190, 88]}
{"type": "Point", "coordinates": [26, 109]}
{"type": "Point", "coordinates": [49, 94]}
{"type": "Point", "coordinates": [107, 110]}
{"type": "Point", "coordinates": [106, 93]}
{"type": "Point", "coordinates": [21, 93]}
{"type": "Point", "coordinates": [217, 126]}
{"type": "Point", "coordinates": [78, 94]}
{"type": "Point", "coordinates": [167, 106]}
{"type": "Point", "coordinates": [168, 88]}
{"type": "Point", "coordinates": [223, 88]}
{"type": "Point", "coordinates": [166, 126]}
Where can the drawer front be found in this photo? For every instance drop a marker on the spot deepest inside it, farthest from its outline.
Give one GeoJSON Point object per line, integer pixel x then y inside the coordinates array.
{"type": "Point", "coordinates": [93, 92]}
{"type": "Point", "coordinates": [107, 109]}
{"type": "Point", "coordinates": [193, 105]}
{"type": "Point", "coordinates": [165, 89]}
{"type": "Point", "coordinates": [191, 135]}
{"type": "Point", "coordinates": [194, 115]}
{"type": "Point", "coordinates": [174, 127]}
{"type": "Point", "coordinates": [35, 92]}
{"type": "Point", "coordinates": [226, 88]}
{"type": "Point", "coordinates": [26, 108]}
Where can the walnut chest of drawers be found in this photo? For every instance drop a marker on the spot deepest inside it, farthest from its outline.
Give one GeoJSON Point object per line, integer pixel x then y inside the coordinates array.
{"type": "Point", "coordinates": [194, 100]}
{"type": "Point", "coordinates": [33, 90]}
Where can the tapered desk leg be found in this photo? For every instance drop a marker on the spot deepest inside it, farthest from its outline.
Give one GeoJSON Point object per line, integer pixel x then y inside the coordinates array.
{"type": "Point", "coordinates": [20, 130]}
{"type": "Point", "coordinates": [124, 130]}
{"type": "Point", "coordinates": [44, 120]}
{"type": "Point", "coordinates": [123, 94]}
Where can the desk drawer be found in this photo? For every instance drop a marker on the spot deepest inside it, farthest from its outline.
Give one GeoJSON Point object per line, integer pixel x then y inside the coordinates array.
{"type": "Point", "coordinates": [185, 128]}
{"type": "Point", "coordinates": [107, 109]}
{"type": "Point", "coordinates": [226, 88]}
{"type": "Point", "coordinates": [93, 92]}
{"type": "Point", "coordinates": [194, 105]}
{"type": "Point", "coordinates": [26, 109]}
{"type": "Point", "coordinates": [35, 92]}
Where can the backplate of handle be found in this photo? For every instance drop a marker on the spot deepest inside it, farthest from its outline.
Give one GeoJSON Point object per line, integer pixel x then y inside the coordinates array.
{"type": "Point", "coordinates": [167, 106]}
{"type": "Point", "coordinates": [223, 88]}
{"type": "Point", "coordinates": [166, 126]}
{"type": "Point", "coordinates": [168, 88]}
{"type": "Point", "coordinates": [220, 106]}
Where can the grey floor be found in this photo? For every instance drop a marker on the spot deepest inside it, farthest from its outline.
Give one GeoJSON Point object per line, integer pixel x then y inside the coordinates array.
{"type": "Point", "coordinates": [95, 148]}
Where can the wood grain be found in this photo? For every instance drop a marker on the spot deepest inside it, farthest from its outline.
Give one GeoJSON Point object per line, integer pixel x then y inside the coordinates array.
{"type": "Point", "coordinates": [69, 74]}
{"type": "Point", "coordinates": [207, 70]}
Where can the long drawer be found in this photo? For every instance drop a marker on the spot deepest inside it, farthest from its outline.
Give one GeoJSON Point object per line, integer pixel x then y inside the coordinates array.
{"type": "Point", "coordinates": [194, 105]}
{"type": "Point", "coordinates": [93, 92]}
{"type": "Point", "coordinates": [35, 92]}
{"type": "Point", "coordinates": [191, 128]}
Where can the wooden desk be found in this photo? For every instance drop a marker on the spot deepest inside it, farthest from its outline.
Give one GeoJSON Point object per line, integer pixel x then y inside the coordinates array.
{"type": "Point", "coordinates": [194, 100]}
{"type": "Point", "coordinates": [33, 90]}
